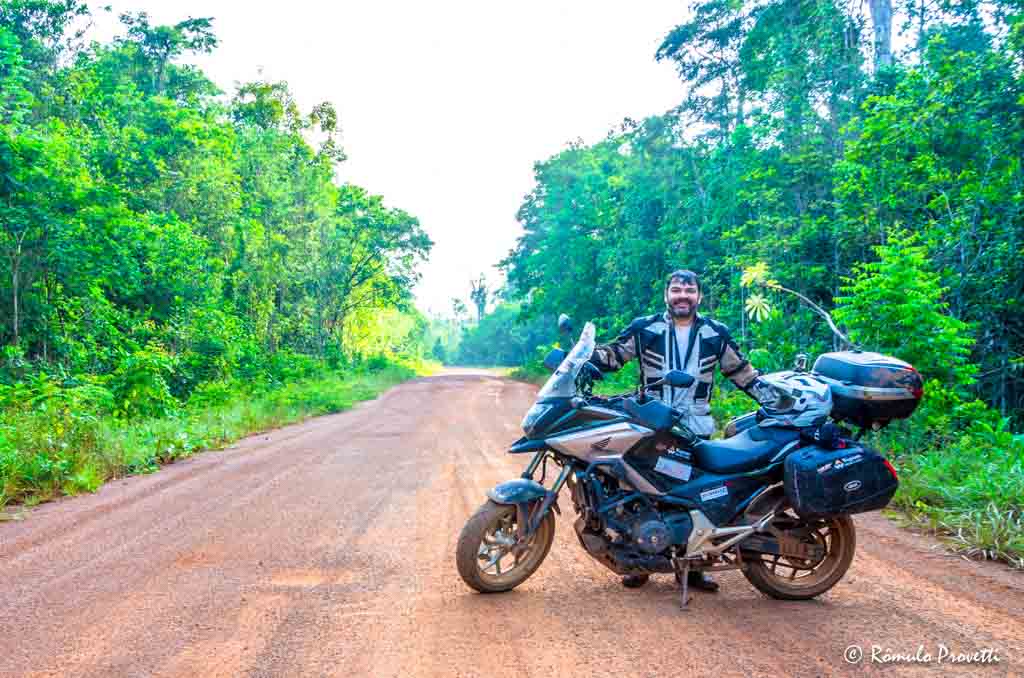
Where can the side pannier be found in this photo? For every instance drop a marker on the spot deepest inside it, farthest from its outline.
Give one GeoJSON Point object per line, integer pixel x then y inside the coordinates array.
{"type": "Point", "coordinates": [821, 483]}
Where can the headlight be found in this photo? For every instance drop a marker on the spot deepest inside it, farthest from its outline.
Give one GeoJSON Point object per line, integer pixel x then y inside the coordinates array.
{"type": "Point", "coordinates": [533, 416]}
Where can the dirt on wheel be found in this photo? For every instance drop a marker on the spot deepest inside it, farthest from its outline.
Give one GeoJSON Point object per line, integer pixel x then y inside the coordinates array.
{"type": "Point", "coordinates": [328, 549]}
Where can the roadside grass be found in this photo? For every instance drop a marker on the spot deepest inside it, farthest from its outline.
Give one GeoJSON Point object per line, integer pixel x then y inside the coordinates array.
{"type": "Point", "coordinates": [57, 445]}
{"type": "Point", "coordinates": [969, 490]}
{"type": "Point", "coordinates": [533, 372]}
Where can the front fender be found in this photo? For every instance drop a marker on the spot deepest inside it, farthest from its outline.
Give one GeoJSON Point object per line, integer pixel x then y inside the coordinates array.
{"type": "Point", "coordinates": [519, 491]}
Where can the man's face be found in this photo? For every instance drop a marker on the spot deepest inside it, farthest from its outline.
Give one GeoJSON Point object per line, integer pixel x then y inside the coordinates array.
{"type": "Point", "coordinates": [682, 299]}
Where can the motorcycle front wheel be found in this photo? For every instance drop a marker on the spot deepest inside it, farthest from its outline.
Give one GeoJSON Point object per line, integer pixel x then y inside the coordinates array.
{"type": "Point", "coordinates": [788, 578]}
{"type": "Point", "coordinates": [487, 556]}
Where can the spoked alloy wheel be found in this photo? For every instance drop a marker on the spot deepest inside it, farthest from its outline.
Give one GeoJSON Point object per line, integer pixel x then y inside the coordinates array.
{"type": "Point", "coordinates": [488, 557]}
{"type": "Point", "coordinates": [792, 578]}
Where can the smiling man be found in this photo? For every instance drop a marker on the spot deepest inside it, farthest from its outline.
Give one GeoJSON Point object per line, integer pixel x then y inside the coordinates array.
{"type": "Point", "coordinates": [682, 339]}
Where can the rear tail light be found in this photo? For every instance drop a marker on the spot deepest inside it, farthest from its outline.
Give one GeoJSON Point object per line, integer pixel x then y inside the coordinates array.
{"type": "Point", "coordinates": [891, 469]}
{"type": "Point", "coordinates": [918, 392]}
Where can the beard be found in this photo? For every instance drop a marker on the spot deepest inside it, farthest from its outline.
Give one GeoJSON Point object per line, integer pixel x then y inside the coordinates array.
{"type": "Point", "coordinates": [681, 310]}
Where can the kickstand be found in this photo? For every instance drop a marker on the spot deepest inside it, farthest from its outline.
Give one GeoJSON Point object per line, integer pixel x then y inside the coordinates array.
{"type": "Point", "coordinates": [683, 578]}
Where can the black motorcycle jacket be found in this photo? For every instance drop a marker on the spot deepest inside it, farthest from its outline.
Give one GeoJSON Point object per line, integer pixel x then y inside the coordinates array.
{"type": "Point", "coordinates": [652, 340]}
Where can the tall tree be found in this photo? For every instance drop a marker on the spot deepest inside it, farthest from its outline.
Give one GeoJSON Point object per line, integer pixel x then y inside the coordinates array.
{"type": "Point", "coordinates": [881, 22]}
{"type": "Point", "coordinates": [478, 294]}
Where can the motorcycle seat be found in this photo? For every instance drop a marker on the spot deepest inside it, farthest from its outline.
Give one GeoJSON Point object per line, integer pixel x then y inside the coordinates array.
{"type": "Point", "coordinates": [751, 449]}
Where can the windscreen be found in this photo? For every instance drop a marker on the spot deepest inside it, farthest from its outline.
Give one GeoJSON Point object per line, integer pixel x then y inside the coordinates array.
{"type": "Point", "coordinates": [562, 384]}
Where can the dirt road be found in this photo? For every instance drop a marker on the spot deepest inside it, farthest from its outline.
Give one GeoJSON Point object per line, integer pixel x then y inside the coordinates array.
{"type": "Point", "coordinates": [326, 548]}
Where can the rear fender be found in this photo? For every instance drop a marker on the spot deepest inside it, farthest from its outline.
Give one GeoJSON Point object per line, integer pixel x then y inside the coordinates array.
{"type": "Point", "coordinates": [768, 499]}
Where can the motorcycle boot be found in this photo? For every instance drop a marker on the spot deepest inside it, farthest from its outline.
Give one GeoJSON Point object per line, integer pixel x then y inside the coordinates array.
{"type": "Point", "coordinates": [695, 579]}
{"type": "Point", "coordinates": [635, 581]}
{"type": "Point", "coordinates": [699, 580]}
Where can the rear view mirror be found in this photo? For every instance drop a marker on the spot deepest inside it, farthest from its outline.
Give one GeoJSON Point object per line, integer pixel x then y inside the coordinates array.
{"type": "Point", "coordinates": [678, 379]}
{"type": "Point", "coordinates": [564, 324]}
{"type": "Point", "coordinates": [554, 359]}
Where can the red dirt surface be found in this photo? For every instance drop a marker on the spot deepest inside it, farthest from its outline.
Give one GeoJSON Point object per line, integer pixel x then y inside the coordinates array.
{"type": "Point", "coordinates": [327, 549]}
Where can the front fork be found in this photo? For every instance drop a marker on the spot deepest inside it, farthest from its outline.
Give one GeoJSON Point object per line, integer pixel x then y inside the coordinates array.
{"type": "Point", "coordinates": [527, 493]}
{"type": "Point", "coordinates": [534, 463]}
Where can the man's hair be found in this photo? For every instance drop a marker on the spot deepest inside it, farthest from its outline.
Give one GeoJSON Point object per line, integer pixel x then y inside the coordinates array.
{"type": "Point", "coordinates": [683, 276]}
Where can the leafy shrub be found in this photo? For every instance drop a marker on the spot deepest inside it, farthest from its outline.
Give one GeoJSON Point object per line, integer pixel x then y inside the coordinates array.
{"type": "Point", "coordinates": [728, 403]}
{"type": "Point", "coordinates": [287, 366]}
{"type": "Point", "coordinates": [140, 383]}
{"type": "Point", "coordinates": [213, 394]}
{"type": "Point", "coordinates": [376, 362]}
{"type": "Point", "coordinates": [895, 305]}
{"type": "Point", "coordinates": [46, 448]}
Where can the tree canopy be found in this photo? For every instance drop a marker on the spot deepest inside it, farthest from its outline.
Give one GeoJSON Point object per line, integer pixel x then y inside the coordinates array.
{"type": "Point", "coordinates": [143, 210]}
{"type": "Point", "coordinates": [855, 174]}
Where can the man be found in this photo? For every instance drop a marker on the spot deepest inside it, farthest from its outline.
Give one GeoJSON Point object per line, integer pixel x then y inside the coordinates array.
{"type": "Point", "coordinates": [682, 339]}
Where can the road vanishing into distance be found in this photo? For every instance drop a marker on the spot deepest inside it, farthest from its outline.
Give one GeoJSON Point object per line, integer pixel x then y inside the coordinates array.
{"type": "Point", "coordinates": [327, 549]}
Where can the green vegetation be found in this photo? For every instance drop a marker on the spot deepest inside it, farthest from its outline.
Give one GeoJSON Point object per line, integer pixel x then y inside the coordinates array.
{"type": "Point", "coordinates": [58, 439]}
{"type": "Point", "coordinates": [500, 338]}
{"type": "Point", "coordinates": [178, 266]}
{"type": "Point", "coordinates": [886, 187]}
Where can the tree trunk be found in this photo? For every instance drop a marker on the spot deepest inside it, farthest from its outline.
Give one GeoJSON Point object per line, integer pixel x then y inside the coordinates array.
{"type": "Point", "coordinates": [15, 281]}
{"type": "Point", "coordinates": [836, 279]}
{"type": "Point", "coordinates": [920, 26]}
{"type": "Point", "coordinates": [1002, 383]}
{"type": "Point", "coordinates": [14, 294]}
{"type": "Point", "coordinates": [881, 21]}
{"type": "Point", "coordinates": [46, 316]}
{"type": "Point", "coordinates": [320, 342]}
{"type": "Point", "coordinates": [741, 101]}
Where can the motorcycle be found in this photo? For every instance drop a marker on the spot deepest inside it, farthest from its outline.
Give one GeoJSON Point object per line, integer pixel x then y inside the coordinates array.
{"type": "Point", "coordinates": [773, 499]}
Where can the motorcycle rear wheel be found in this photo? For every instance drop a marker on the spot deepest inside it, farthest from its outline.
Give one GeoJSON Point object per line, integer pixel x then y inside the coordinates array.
{"type": "Point", "coordinates": [787, 578]}
{"type": "Point", "coordinates": [487, 557]}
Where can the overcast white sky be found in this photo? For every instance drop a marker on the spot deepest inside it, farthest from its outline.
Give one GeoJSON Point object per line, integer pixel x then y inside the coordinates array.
{"type": "Point", "coordinates": [446, 105]}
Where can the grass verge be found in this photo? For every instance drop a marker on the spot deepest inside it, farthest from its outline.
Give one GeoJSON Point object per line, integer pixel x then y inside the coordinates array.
{"type": "Point", "coordinates": [53, 447]}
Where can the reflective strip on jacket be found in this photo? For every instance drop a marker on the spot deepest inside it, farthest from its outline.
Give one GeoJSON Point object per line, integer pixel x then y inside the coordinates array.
{"type": "Point", "coordinates": [652, 339]}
